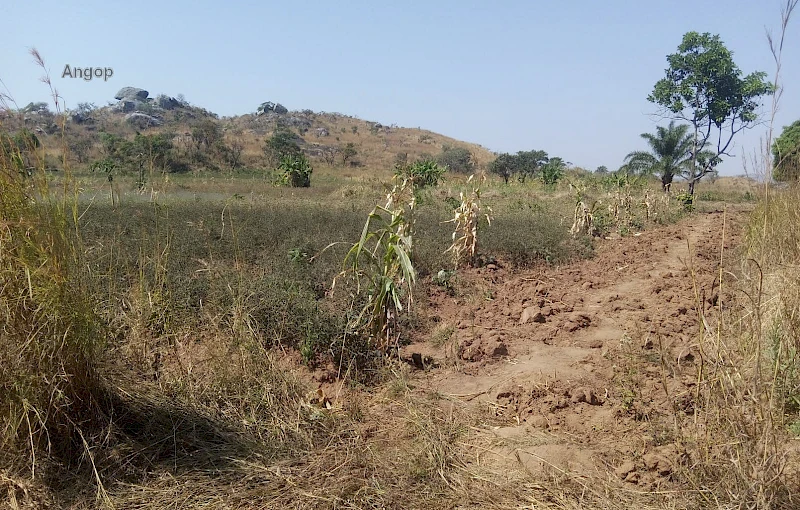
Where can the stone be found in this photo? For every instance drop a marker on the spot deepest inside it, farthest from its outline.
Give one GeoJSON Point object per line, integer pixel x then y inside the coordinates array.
{"type": "Point", "coordinates": [142, 120]}
{"type": "Point", "coordinates": [538, 421]}
{"type": "Point", "coordinates": [131, 93]}
{"type": "Point", "coordinates": [496, 348]}
{"type": "Point", "coordinates": [625, 469]}
{"type": "Point", "coordinates": [125, 106]}
{"type": "Point", "coordinates": [532, 314]}
{"type": "Point", "coordinates": [658, 463]}
{"type": "Point", "coordinates": [586, 395]}
{"type": "Point", "coordinates": [168, 103]}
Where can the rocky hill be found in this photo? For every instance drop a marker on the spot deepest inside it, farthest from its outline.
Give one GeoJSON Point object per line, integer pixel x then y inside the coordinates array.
{"type": "Point", "coordinates": [372, 146]}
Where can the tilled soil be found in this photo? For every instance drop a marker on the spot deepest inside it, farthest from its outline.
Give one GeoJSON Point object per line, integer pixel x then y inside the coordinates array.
{"type": "Point", "coordinates": [583, 366]}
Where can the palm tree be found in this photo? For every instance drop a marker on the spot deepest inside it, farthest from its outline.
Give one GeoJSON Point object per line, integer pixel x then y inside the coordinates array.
{"type": "Point", "coordinates": [670, 153]}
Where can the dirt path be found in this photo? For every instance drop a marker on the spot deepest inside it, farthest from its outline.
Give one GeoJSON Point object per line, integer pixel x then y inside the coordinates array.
{"type": "Point", "coordinates": [570, 360]}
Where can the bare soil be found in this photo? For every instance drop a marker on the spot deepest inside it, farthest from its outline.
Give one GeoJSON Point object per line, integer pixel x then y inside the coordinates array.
{"type": "Point", "coordinates": [584, 366]}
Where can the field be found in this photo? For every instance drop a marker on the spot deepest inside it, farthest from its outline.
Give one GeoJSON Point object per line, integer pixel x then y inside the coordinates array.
{"type": "Point", "coordinates": [186, 346]}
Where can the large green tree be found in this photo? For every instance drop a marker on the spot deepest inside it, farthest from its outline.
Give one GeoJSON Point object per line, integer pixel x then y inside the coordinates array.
{"type": "Point", "coordinates": [670, 153]}
{"type": "Point", "coordinates": [704, 87]}
{"type": "Point", "coordinates": [504, 165]}
{"type": "Point", "coordinates": [786, 154]}
{"type": "Point", "coordinates": [529, 163]}
{"type": "Point", "coordinates": [523, 164]}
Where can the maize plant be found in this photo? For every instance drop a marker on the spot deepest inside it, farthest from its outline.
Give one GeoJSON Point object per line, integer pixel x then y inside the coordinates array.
{"type": "Point", "coordinates": [621, 205]}
{"type": "Point", "coordinates": [467, 217]}
{"type": "Point", "coordinates": [382, 258]}
{"type": "Point", "coordinates": [583, 222]}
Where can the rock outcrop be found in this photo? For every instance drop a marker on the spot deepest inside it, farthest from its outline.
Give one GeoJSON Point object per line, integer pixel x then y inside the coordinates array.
{"type": "Point", "coordinates": [131, 94]}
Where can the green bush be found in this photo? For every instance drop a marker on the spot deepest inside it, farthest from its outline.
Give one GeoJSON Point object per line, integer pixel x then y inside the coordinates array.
{"type": "Point", "coordinates": [424, 174]}
{"type": "Point", "coordinates": [295, 171]}
{"type": "Point", "coordinates": [456, 159]}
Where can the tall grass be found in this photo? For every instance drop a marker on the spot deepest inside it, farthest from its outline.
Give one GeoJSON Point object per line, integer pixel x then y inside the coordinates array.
{"type": "Point", "coordinates": [50, 392]}
{"type": "Point", "coordinates": [747, 401]}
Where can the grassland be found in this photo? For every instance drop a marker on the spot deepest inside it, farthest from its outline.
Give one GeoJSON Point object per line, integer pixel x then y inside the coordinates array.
{"type": "Point", "coordinates": [184, 346]}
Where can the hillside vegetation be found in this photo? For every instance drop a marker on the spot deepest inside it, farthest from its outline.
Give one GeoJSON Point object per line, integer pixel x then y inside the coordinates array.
{"type": "Point", "coordinates": [200, 140]}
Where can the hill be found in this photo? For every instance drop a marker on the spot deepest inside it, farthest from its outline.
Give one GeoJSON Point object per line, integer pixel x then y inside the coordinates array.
{"type": "Point", "coordinates": [200, 140]}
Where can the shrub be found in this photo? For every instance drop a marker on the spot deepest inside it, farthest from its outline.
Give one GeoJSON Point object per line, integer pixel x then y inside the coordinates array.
{"type": "Point", "coordinates": [425, 173]}
{"type": "Point", "coordinates": [295, 171]}
{"type": "Point", "coordinates": [456, 159]}
{"type": "Point", "coordinates": [283, 143]}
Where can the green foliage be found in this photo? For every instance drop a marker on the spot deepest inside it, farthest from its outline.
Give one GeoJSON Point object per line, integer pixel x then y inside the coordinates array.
{"type": "Point", "coordinates": [530, 163]}
{"type": "Point", "coordinates": [686, 199]}
{"type": "Point", "coordinates": [107, 166]}
{"type": "Point", "coordinates": [523, 164]}
{"type": "Point", "coordinates": [601, 170]}
{"type": "Point", "coordinates": [283, 143]}
{"type": "Point", "coordinates": [670, 153]}
{"type": "Point", "coordinates": [704, 87]}
{"type": "Point", "coordinates": [456, 159]}
{"type": "Point", "coordinates": [552, 171]}
{"type": "Point", "coordinates": [382, 257]}
{"type": "Point", "coordinates": [295, 171]}
{"type": "Point", "coordinates": [786, 154]}
{"type": "Point", "coordinates": [153, 152]}
{"type": "Point", "coordinates": [503, 165]}
{"type": "Point", "coordinates": [348, 152]}
{"type": "Point", "coordinates": [425, 173]}
{"type": "Point", "coordinates": [206, 133]}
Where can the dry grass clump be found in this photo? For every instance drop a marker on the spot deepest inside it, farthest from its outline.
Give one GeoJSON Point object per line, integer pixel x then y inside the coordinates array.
{"type": "Point", "coordinates": [51, 395]}
{"type": "Point", "coordinates": [747, 403]}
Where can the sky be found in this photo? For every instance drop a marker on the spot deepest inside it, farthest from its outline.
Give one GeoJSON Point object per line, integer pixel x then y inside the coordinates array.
{"type": "Point", "coordinates": [570, 78]}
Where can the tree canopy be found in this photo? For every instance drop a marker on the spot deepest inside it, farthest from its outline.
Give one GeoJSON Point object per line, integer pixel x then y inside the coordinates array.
{"type": "Point", "coordinates": [786, 154]}
{"type": "Point", "coordinates": [523, 164]}
{"type": "Point", "coordinates": [704, 87]}
{"type": "Point", "coordinates": [670, 153]}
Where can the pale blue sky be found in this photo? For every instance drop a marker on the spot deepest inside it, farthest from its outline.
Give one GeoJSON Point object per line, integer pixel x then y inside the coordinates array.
{"type": "Point", "coordinates": [570, 78]}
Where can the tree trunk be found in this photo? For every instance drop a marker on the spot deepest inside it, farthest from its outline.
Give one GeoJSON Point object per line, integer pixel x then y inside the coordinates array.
{"type": "Point", "coordinates": [665, 183]}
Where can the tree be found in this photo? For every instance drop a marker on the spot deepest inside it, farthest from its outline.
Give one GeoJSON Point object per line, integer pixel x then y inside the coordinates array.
{"type": "Point", "coordinates": [281, 144]}
{"type": "Point", "coordinates": [529, 163]}
{"type": "Point", "coordinates": [80, 148]}
{"type": "Point", "coordinates": [206, 133]}
{"type": "Point", "coordinates": [456, 159]}
{"type": "Point", "coordinates": [786, 154]}
{"type": "Point", "coordinates": [601, 170]}
{"type": "Point", "coordinates": [704, 87]}
{"type": "Point", "coordinates": [24, 151]}
{"type": "Point", "coordinates": [504, 165]}
{"type": "Point", "coordinates": [348, 152]}
{"type": "Point", "coordinates": [670, 153]}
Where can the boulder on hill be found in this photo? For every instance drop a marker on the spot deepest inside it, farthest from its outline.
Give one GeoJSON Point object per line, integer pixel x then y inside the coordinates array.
{"type": "Point", "coordinates": [125, 106]}
{"type": "Point", "coordinates": [167, 102]}
{"type": "Point", "coordinates": [269, 106]}
{"type": "Point", "coordinates": [131, 94]}
{"type": "Point", "coordinates": [142, 120]}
